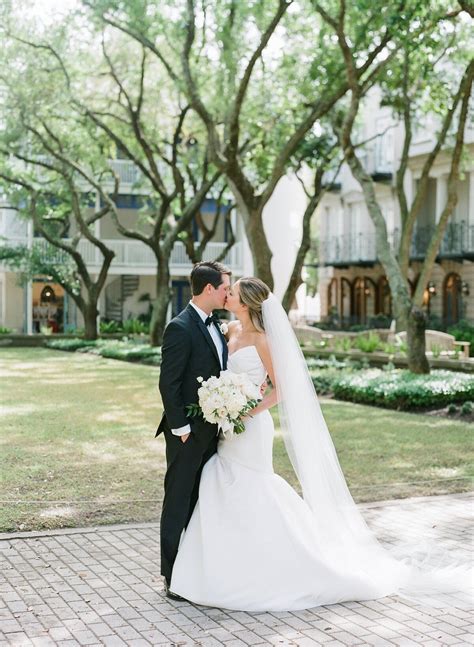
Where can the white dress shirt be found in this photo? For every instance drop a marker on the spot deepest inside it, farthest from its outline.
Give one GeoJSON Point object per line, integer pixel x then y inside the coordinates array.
{"type": "Point", "coordinates": [217, 339]}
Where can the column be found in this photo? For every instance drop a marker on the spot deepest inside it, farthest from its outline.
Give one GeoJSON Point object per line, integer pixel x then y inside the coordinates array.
{"type": "Point", "coordinates": [470, 212]}
{"type": "Point", "coordinates": [235, 257]}
{"type": "Point", "coordinates": [29, 286]}
{"type": "Point", "coordinates": [97, 254]}
{"type": "Point", "coordinates": [441, 195]}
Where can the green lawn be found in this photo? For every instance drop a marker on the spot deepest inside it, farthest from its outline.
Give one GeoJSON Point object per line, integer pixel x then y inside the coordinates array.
{"type": "Point", "coordinates": [78, 446]}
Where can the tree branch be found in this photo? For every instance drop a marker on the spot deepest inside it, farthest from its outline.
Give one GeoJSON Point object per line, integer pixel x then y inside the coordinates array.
{"type": "Point", "coordinates": [232, 122]}
{"type": "Point", "coordinates": [416, 205]}
{"type": "Point", "coordinates": [437, 237]}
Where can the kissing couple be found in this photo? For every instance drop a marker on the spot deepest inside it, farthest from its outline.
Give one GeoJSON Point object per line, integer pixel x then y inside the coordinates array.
{"type": "Point", "coordinates": [234, 534]}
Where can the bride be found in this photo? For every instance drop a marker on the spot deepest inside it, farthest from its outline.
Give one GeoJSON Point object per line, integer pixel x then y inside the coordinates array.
{"type": "Point", "coordinates": [252, 543]}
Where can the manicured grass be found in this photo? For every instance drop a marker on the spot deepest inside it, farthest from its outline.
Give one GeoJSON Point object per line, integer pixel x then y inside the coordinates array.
{"type": "Point", "coordinates": [78, 446]}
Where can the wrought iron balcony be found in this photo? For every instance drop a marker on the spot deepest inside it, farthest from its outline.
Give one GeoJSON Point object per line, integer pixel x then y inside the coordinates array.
{"type": "Point", "coordinates": [133, 255]}
{"type": "Point", "coordinates": [360, 249]}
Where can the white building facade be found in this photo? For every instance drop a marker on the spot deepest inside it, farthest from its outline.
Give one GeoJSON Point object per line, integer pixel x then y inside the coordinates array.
{"type": "Point", "coordinates": [352, 284]}
{"type": "Point", "coordinates": [41, 304]}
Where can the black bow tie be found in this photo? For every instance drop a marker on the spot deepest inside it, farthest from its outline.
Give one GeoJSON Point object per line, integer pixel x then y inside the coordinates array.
{"type": "Point", "coordinates": [212, 319]}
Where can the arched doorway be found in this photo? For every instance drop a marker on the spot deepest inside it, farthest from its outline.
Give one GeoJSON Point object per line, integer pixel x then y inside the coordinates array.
{"type": "Point", "coordinates": [452, 299]}
{"type": "Point", "coordinates": [49, 306]}
{"type": "Point", "coordinates": [364, 299]}
{"type": "Point", "coordinates": [333, 303]}
{"type": "Point", "coordinates": [370, 296]}
{"type": "Point", "coordinates": [346, 307]}
{"type": "Point", "coordinates": [359, 299]}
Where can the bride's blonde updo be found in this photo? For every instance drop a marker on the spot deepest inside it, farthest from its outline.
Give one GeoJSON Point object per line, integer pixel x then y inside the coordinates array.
{"type": "Point", "coordinates": [252, 293]}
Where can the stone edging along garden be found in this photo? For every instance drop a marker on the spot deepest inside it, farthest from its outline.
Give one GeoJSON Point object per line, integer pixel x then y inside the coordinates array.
{"type": "Point", "coordinates": [380, 359]}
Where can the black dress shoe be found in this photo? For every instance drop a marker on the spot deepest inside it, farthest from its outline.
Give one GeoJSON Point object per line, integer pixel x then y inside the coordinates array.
{"type": "Point", "coordinates": [171, 595]}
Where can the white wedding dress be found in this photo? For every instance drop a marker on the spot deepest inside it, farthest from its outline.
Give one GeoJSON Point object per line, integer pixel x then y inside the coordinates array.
{"type": "Point", "coordinates": [252, 543]}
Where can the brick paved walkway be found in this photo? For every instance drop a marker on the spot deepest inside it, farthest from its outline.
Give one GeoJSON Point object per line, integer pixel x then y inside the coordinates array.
{"type": "Point", "coordinates": [101, 586]}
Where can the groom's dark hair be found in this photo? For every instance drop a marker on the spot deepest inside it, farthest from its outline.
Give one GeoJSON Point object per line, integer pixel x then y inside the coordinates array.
{"type": "Point", "coordinates": [207, 272]}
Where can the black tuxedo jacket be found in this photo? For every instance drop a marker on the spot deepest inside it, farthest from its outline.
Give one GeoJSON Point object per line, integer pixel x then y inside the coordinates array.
{"type": "Point", "coordinates": [188, 352]}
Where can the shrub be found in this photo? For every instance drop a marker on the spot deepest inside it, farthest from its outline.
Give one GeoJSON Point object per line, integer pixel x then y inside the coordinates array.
{"type": "Point", "coordinates": [388, 347]}
{"type": "Point", "coordinates": [467, 408]}
{"type": "Point", "coordinates": [69, 344]}
{"type": "Point", "coordinates": [130, 352]}
{"type": "Point", "coordinates": [5, 331]}
{"type": "Point", "coordinates": [123, 350]}
{"type": "Point", "coordinates": [403, 348]}
{"type": "Point", "coordinates": [401, 389]}
{"type": "Point", "coordinates": [452, 409]}
{"type": "Point", "coordinates": [434, 322]}
{"type": "Point", "coordinates": [135, 327]}
{"type": "Point", "coordinates": [109, 327]}
{"type": "Point", "coordinates": [463, 331]}
{"type": "Point", "coordinates": [380, 321]}
{"type": "Point", "coordinates": [331, 362]}
{"type": "Point", "coordinates": [358, 327]}
{"type": "Point", "coordinates": [323, 380]}
{"type": "Point", "coordinates": [344, 344]}
{"type": "Point", "coordinates": [129, 327]}
{"type": "Point", "coordinates": [367, 344]}
{"type": "Point", "coordinates": [319, 344]}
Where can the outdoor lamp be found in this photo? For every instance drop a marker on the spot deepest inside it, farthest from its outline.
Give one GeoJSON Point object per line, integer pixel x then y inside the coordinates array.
{"type": "Point", "coordinates": [432, 288]}
{"type": "Point", "coordinates": [465, 288]}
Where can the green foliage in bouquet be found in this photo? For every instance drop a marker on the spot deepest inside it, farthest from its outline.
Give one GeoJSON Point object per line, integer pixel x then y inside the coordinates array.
{"type": "Point", "coordinates": [194, 410]}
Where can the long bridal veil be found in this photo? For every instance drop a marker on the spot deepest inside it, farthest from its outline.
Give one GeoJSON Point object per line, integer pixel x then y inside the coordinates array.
{"type": "Point", "coordinates": [424, 574]}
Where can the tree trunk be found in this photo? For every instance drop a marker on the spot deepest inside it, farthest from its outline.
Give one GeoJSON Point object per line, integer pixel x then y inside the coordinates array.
{"type": "Point", "coordinates": [406, 313]}
{"type": "Point", "coordinates": [90, 313]}
{"type": "Point", "coordinates": [416, 325]}
{"type": "Point", "coordinates": [295, 278]}
{"type": "Point", "coordinates": [251, 209]}
{"type": "Point", "coordinates": [160, 304]}
{"type": "Point", "coordinates": [261, 252]}
{"type": "Point", "coordinates": [291, 290]}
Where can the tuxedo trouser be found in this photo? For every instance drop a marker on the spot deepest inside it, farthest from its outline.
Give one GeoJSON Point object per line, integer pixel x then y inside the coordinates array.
{"type": "Point", "coordinates": [185, 462]}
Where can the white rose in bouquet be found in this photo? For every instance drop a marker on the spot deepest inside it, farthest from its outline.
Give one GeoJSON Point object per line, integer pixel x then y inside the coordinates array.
{"type": "Point", "coordinates": [225, 400]}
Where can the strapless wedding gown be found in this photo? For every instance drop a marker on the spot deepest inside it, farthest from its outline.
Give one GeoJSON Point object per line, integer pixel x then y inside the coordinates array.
{"type": "Point", "coordinates": [252, 543]}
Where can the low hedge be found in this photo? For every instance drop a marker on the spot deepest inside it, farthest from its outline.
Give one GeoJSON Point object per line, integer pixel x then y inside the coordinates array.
{"type": "Point", "coordinates": [464, 331]}
{"type": "Point", "coordinates": [330, 362]}
{"type": "Point", "coordinates": [124, 350]}
{"type": "Point", "coordinates": [400, 389]}
{"type": "Point", "coordinates": [70, 344]}
{"type": "Point", "coordinates": [389, 387]}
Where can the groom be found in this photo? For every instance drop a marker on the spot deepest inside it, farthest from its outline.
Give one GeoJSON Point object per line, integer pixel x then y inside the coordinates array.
{"type": "Point", "coordinates": [193, 346]}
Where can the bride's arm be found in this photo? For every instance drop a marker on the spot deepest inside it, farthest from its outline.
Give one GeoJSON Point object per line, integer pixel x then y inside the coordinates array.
{"type": "Point", "coordinates": [271, 398]}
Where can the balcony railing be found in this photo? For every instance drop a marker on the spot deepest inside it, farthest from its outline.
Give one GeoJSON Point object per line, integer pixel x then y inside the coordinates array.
{"type": "Point", "coordinates": [130, 254]}
{"type": "Point", "coordinates": [357, 249]}
{"type": "Point", "coordinates": [126, 171]}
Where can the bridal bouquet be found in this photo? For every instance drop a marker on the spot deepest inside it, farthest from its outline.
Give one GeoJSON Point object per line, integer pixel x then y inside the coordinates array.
{"type": "Point", "coordinates": [225, 400]}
